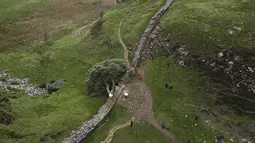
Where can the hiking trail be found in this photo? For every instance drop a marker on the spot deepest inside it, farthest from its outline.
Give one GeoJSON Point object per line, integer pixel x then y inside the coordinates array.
{"type": "Point", "coordinates": [140, 102]}
{"type": "Point", "coordinates": [123, 45]}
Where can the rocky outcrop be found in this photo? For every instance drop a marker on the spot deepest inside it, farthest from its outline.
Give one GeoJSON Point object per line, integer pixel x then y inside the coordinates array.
{"type": "Point", "coordinates": [119, 1]}
{"type": "Point", "coordinates": [89, 126]}
{"type": "Point", "coordinates": [9, 83]}
{"type": "Point", "coordinates": [150, 28]}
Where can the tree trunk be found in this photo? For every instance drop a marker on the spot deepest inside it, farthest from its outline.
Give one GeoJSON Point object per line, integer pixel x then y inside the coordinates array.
{"type": "Point", "coordinates": [110, 92]}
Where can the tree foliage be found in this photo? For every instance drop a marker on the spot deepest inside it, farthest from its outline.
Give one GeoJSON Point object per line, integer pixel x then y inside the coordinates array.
{"type": "Point", "coordinates": [103, 76]}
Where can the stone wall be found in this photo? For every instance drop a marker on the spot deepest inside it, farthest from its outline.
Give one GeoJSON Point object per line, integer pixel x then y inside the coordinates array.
{"type": "Point", "coordinates": [89, 126]}
{"type": "Point", "coordinates": [145, 37]}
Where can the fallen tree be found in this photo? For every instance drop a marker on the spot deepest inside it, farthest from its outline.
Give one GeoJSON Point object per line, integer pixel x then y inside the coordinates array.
{"type": "Point", "coordinates": [103, 77]}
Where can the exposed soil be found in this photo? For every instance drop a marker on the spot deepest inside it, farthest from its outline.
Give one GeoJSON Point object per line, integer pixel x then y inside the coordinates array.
{"type": "Point", "coordinates": [140, 102]}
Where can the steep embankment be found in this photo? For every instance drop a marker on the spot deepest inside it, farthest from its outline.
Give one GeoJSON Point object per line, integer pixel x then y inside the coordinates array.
{"type": "Point", "coordinates": [205, 50]}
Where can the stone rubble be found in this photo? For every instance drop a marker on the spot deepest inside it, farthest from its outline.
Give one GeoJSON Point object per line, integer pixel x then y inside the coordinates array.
{"type": "Point", "coordinates": [9, 83]}
{"type": "Point", "coordinates": [240, 73]}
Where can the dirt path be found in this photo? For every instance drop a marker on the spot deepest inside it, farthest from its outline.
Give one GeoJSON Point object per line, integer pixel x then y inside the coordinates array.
{"type": "Point", "coordinates": [113, 130]}
{"type": "Point", "coordinates": [149, 103]}
{"type": "Point", "coordinates": [140, 102]}
{"type": "Point", "coordinates": [123, 45]}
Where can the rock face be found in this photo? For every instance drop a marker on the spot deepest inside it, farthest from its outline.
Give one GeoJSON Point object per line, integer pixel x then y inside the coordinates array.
{"type": "Point", "coordinates": [89, 126]}
{"type": "Point", "coordinates": [150, 28]}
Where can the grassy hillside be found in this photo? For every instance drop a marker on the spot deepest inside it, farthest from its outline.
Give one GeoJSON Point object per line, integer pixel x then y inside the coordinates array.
{"type": "Point", "coordinates": [46, 40]}
{"type": "Point", "coordinates": [139, 132]}
{"type": "Point", "coordinates": [64, 53]}
{"type": "Point", "coordinates": [178, 107]}
{"type": "Point", "coordinates": [204, 25]}
{"type": "Point", "coordinates": [205, 28]}
{"type": "Point", "coordinates": [27, 53]}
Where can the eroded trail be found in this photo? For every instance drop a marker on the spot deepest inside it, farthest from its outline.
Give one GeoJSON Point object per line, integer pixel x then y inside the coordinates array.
{"type": "Point", "coordinates": [150, 118]}
{"type": "Point", "coordinates": [140, 102]}
{"type": "Point", "coordinates": [125, 48]}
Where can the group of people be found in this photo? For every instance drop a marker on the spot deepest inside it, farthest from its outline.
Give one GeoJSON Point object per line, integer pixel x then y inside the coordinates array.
{"type": "Point", "coordinates": [220, 138]}
{"type": "Point", "coordinates": [170, 86]}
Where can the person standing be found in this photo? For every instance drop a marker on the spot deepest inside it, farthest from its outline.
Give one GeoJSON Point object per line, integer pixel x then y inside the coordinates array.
{"type": "Point", "coordinates": [163, 126]}
{"type": "Point", "coordinates": [132, 122]}
{"type": "Point", "coordinates": [196, 117]}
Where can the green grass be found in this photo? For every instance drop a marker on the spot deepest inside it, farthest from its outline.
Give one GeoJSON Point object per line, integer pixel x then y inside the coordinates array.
{"type": "Point", "coordinates": [135, 15]}
{"type": "Point", "coordinates": [67, 59]}
{"type": "Point", "coordinates": [169, 105]}
{"type": "Point", "coordinates": [53, 117]}
{"type": "Point", "coordinates": [202, 25]}
{"type": "Point", "coordinates": [142, 132]}
{"type": "Point", "coordinates": [17, 8]}
{"type": "Point", "coordinates": [69, 56]}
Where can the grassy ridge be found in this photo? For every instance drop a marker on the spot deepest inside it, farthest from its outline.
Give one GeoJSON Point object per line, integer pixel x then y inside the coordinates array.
{"type": "Point", "coordinates": [204, 25]}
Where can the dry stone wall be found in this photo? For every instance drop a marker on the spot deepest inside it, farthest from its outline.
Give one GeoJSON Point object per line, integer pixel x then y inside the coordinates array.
{"type": "Point", "coordinates": [89, 126]}
{"type": "Point", "coordinates": [145, 37]}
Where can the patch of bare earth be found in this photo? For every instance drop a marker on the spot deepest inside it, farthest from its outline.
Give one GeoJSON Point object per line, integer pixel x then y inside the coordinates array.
{"type": "Point", "coordinates": [56, 20]}
{"type": "Point", "coordinates": [140, 102]}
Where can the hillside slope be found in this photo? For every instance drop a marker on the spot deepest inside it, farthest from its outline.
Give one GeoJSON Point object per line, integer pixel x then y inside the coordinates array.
{"type": "Point", "coordinates": [203, 49]}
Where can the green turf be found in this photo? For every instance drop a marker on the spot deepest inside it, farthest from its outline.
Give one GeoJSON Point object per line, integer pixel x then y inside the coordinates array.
{"type": "Point", "coordinates": [53, 117]}
{"type": "Point", "coordinates": [141, 132]}
{"type": "Point", "coordinates": [68, 55]}
{"type": "Point", "coordinates": [66, 59]}
{"type": "Point", "coordinates": [135, 16]}
{"type": "Point", "coordinates": [202, 25]}
{"type": "Point", "coordinates": [169, 105]}
{"type": "Point", "coordinates": [17, 8]}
